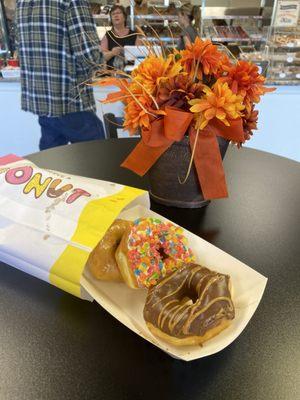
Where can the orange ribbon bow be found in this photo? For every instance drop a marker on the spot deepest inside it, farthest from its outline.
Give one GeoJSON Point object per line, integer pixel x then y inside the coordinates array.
{"type": "Point", "coordinates": [172, 127]}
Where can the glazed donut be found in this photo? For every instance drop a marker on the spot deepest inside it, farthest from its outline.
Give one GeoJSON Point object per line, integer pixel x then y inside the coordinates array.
{"type": "Point", "coordinates": [190, 306]}
{"type": "Point", "coordinates": [102, 262]}
{"type": "Point", "coordinates": [150, 250]}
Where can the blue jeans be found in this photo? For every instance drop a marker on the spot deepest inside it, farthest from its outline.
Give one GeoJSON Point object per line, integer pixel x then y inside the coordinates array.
{"type": "Point", "coordinates": [70, 128]}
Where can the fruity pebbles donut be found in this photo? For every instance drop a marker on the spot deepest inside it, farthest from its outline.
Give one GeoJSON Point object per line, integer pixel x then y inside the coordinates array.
{"type": "Point", "coordinates": [151, 249]}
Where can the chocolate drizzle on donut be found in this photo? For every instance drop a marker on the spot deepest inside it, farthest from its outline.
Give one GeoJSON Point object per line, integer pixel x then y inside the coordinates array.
{"type": "Point", "coordinates": [190, 302]}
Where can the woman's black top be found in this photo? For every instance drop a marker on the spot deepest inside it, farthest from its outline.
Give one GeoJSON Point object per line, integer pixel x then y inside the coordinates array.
{"type": "Point", "coordinates": [115, 41]}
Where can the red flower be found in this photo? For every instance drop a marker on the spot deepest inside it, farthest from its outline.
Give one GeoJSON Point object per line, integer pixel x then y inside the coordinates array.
{"type": "Point", "coordinates": [177, 92]}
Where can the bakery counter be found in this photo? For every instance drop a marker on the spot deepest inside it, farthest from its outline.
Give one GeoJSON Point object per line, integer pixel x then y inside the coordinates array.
{"type": "Point", "coordinates": [22, 129]}
{"type": "Point", "coordinates": [279, 115]}
{"type": "Point", "coordinates": [9, 80]}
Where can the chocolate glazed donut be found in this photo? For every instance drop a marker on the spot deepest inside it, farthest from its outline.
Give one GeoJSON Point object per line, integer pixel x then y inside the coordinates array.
{"type": "Point", "coordinates": [190, 306]}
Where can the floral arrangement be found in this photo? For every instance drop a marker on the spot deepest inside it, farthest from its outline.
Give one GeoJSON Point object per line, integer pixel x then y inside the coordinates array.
{"type": "Point", "coordinates": [198, 92]}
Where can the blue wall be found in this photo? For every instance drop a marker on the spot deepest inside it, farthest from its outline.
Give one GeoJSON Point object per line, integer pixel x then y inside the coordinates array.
{"type": "Point", "coordinates": [278, 129]}
{"type": "Point", "coordinates": [279, 123]}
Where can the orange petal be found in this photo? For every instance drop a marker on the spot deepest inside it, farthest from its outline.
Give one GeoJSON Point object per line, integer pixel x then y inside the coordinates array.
{"type": "Point", "coordinates": [194, 101]}
{"type": "Point", "coordinates": [220, 114]}
{"type": "Point", "coordinates": [210, 113]}
{"type": "Point", "coordinates": [112, 97]}
{"type": "Point", "coordinates": [107, 82]}
{"type": "Point", "coordinates": [199, 107]}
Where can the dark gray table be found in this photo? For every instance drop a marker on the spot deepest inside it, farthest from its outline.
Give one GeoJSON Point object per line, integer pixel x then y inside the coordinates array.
{"type": "Point", "coordinates": [55, 346]}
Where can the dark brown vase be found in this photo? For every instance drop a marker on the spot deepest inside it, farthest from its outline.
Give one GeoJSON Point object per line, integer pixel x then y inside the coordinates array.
{"type": "Point", "coordinates": [165, 187]}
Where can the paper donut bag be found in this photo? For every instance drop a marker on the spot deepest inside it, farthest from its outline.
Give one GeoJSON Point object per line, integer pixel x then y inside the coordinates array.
{"type": "Point", "coordinates": [50, 221]}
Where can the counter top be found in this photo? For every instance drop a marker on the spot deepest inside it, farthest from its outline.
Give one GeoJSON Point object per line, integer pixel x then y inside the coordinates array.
{"type": "Point", "coordinates": [10, 80]}
{"type": "Point", "coordinates": [281, 89]}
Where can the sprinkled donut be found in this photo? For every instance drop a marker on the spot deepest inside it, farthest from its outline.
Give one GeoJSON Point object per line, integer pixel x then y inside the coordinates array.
{"type": "Point", "coordinates": [190, 306]}
{"type": "Point", "coordinates": [150, 250]}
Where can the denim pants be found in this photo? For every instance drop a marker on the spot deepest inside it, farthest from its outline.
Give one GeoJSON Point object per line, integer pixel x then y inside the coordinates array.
{"type": "Point", "coordinates": [70, 128]}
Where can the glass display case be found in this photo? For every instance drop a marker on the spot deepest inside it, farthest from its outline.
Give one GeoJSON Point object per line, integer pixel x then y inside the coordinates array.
{"type": "Point", "coordinates": [100, 10]}
{"type": "Point", "coordinates": [236, 22]}
{"type": "Point", "coordinates": [158, 20]}
{"type": "Point", "coordinates": [258, 57]}
{"type": "Point", "coordinates": [266, 32]}
{"type": "Point", "coordinates": [283, 45]}
{"type": "Point", "coordinates": [242, 26]}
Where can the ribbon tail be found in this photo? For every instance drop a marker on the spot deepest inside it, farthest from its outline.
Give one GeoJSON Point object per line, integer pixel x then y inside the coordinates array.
{"type": "Point", "coordinates": [209, 166]}
{"type": "Point", "coordinates": [142, 157]}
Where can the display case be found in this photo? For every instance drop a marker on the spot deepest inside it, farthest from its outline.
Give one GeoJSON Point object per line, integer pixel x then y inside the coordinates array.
{"type": "Point", "coordinates": [100, 11]}
{"type": "Point", "coordinates": [283, 44]}
{"type": "Point", "coordinates": [258, 57]}
{"type": "Point", "coordinates": [158, 20]}
{"type": "Point", "coordinates": [236, 22]}
{"type": "Point", "coordinates": [5, 47]}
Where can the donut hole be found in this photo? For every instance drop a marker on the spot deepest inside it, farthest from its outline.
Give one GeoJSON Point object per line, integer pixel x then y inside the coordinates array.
{"type": "Point", "coordinates": [188, 300]}
{"type": "Point", "coordinates": [116, 244]}
{"type": "Point", "coordinates": [162, 253]}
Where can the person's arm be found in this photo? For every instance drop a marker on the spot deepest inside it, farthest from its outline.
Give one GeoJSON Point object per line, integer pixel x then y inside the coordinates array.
{"type": "Point", "coordinates": [186, 40]}
{"type": "Point", "coordinates": [108, 54]}
{"type": "Point", "coordinates": [83, 36]}
{"type": "Point", "coordinates": [190, 35]}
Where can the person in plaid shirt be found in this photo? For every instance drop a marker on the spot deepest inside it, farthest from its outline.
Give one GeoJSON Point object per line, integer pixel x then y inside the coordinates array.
{"type": "Point", "coordinates": [59, 51]}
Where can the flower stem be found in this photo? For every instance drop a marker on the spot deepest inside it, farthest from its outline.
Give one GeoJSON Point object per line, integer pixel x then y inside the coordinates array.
{"type": "Point", "coordinates": [191, 160]}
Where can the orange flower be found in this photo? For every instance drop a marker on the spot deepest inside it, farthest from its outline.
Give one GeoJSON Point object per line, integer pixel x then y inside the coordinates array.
{"type": "Point", "coordinates": [244, 79]}
{"type": "Point", "coordinates": [218, 102]}
{"type": "Point", "coordinates": [203, 57]}
{"type": "Point", "coordinates": [154, 69]}
{"type": "Point", "coordinates": [250, 122]}
{"type": "Point", "coordinates": [136, 116]}
{"type": "Point", "coordinates": [139, 113]}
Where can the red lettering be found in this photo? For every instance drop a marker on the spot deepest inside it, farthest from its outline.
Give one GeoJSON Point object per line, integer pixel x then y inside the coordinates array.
{"type": "Point", "coordinates": [76, 194]}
